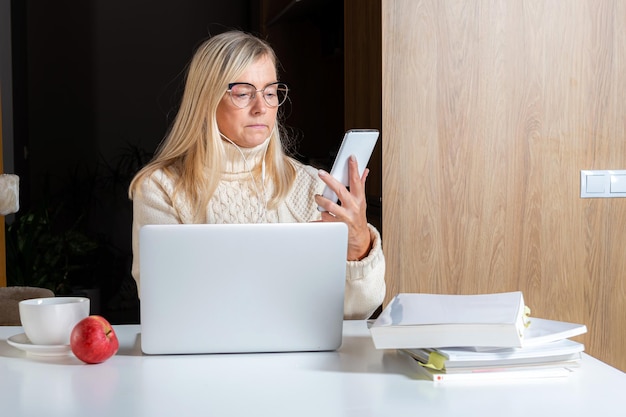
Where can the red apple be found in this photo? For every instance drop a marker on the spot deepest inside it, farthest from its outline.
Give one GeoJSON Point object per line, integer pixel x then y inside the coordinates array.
{"type": "Point", "coordinates": [93, 340]}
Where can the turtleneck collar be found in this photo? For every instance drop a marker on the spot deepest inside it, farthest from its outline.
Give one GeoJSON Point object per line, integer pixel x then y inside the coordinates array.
{"type": "Point", "coordinates": [235, 162]}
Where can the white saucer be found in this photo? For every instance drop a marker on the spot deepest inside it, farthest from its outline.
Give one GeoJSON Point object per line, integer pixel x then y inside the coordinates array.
{"type": "Point", "coordinates": [21, 342]}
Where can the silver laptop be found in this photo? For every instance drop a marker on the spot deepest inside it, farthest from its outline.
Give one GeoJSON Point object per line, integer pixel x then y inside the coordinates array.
{"type": "Point", "coordinates": [242, 288]}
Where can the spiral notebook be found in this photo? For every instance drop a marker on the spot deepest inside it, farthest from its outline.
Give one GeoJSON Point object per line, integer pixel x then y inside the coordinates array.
{"type": "Point", "coordinates": [242, 288]}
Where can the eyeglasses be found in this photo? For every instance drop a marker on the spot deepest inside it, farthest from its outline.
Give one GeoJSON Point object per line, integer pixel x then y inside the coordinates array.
{"type": "Point", "coordinates": [242, 94]}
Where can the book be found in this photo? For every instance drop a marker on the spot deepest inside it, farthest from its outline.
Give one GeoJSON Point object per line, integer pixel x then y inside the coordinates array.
{"type": "Point", "coordinates": [502, 374]}
{"type": "Point", "coordinates": [540, 331]}
{"type": "Point", "coordinates": [462, 359]}
{"type": "Point", "coordinates": [417, 320]}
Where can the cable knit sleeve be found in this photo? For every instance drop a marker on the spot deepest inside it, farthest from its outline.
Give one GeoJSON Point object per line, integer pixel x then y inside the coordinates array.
{"type": "Point", "coordinates": [365, 279]}
{"type": "Point", "coordinates": [152, 204]}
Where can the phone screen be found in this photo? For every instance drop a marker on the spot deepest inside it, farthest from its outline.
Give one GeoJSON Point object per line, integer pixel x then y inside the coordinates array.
{"type": "Point", "coordinates": [357, 142]}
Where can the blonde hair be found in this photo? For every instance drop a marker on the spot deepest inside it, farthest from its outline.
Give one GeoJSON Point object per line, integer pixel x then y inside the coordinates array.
{"type": "Point", "coordinates": [193, 152]}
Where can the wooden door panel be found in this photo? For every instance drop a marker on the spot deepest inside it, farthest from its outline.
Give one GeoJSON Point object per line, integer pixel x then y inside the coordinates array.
{"type": "Point", "coordinates": [490, 111]}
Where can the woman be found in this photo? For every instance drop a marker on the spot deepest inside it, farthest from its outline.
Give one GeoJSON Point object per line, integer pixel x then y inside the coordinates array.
{"type": "Point", "coordinates": [223, 162]}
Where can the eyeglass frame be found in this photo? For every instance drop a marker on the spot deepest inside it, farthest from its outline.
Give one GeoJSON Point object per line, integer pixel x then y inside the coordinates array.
{"type": "Point", "coordinates": [231, 85]}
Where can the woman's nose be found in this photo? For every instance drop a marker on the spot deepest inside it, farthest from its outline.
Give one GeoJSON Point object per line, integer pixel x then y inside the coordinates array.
{"type": "Point", "coordinates": [258, 104]}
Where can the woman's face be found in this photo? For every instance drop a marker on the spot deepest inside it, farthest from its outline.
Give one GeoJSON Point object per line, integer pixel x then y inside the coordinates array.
{"type": "Point", "coordinates": [252, 125]}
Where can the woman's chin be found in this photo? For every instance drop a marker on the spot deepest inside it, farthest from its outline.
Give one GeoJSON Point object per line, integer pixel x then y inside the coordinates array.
{"type": "Point", "coordinates": [252, 142]}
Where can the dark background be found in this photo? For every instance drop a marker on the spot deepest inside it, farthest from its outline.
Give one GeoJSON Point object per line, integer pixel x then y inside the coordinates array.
{"type": "Point", "coordinates": [95, 86]}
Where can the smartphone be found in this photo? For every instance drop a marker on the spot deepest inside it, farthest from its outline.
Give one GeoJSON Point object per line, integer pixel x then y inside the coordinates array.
{"type": "Point", "coordinates": [357, 142]}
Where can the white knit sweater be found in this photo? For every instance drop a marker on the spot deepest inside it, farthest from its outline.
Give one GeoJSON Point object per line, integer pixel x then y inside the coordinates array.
{"type": "Point", "coordinates": [237, 200]}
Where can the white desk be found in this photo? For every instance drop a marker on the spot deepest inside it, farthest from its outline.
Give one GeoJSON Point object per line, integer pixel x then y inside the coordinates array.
{"type": "Point", "coordinates": [357, 380]}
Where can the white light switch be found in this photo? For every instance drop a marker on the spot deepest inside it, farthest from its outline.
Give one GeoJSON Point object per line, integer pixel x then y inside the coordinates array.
{"type": "Point", "coordinates": [618, 184]}
{"type": "Point", "coordinates": [596, 183]}
{"type": "Point", "coordinates": [602, 183]}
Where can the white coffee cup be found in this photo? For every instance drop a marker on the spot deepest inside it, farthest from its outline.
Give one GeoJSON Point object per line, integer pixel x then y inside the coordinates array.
{"type": "Point", "coordinates": [49, 321]}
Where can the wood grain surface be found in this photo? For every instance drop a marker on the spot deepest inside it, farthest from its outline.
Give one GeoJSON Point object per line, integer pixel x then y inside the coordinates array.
{"type": "Point", "coordinates": [490, 111]}
{"type": "Point", "coordinates": [3, 261]}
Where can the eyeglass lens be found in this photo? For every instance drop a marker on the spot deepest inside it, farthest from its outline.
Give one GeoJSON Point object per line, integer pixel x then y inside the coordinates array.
{"type": "Point", "coordinates": [274, 94]}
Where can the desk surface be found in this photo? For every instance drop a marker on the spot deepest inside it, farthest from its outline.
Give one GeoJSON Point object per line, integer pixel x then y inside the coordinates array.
{"type": "Point", "coordinates": [356, 380]}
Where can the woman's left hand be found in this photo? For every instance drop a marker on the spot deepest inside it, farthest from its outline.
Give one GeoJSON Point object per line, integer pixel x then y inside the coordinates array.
{"type": "Point", "coordinates": [352, 211]}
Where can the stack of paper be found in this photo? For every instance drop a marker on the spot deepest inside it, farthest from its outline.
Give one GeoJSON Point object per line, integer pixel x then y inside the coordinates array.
{"type": "Point", "coordinates": [477, 337]}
